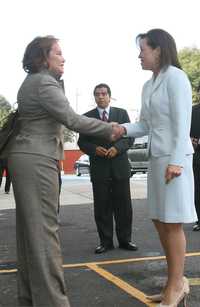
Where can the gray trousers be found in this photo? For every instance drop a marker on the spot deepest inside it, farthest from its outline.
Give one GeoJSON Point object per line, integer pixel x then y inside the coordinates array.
{"type": "Point", "coordinates": [36, 190]}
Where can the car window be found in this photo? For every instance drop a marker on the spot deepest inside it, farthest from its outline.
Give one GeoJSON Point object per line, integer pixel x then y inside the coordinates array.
{"type": "Point", "coordinates": [140, 142]}
{"type": "Point", "coordinates": [84, 158]}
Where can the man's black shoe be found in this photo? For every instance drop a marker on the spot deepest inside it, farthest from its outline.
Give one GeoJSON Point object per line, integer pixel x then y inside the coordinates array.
{"type": "Point", "coordinates": [129, 246]}
{"type": "Point", "coordinates": [102, 249]}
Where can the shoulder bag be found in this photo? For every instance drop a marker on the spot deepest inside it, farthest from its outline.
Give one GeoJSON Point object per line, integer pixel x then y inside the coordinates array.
{"type": "Point", "coordinates": [8, 130]}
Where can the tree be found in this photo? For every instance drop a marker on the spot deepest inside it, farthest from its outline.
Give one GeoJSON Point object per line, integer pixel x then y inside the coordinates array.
{"type": "Point", "coordinates": [68, 135]}
{"type": "Point", "coordinates": [190, 62]}
{"type": "Point", "coordinates": [5, 108]}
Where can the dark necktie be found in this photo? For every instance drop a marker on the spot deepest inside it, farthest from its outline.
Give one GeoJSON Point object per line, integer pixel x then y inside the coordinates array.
{"type": "Point", "coordinates": [104, 116]}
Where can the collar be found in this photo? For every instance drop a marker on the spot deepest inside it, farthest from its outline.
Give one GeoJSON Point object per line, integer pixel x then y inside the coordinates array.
{"type": "Point", "coordinates": [154, 83]}
{"type": "Point", "coordinates": [100, 110]}
{"type": "Point", "coordinates": [54, 75]}
{"type": "Point", "coordinates": [51, 73]}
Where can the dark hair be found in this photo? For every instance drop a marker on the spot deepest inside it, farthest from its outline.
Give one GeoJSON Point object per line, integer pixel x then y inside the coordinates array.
{"type": "Point", "coordinates": [36, 53]}
{"type": "Point", "coordinates": [168, 51]}
{"type": "Point", "coordinates": [100, 86]}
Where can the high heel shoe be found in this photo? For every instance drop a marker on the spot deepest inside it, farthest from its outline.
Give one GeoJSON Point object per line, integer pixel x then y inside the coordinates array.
{"type": "Point", "coordinates": [177, 303]}
{"type": "Point", "coordinates": [157, 298]}
{"type": "Point", "coordinates": [182, 297]}
{"type": "Point", "coordinates": [186, 284]}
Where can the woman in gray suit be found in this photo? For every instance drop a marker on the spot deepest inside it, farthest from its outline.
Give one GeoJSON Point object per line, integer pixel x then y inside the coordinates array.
{"type": "Point", "coordinates": [165, 118]}
{"type": "Point", "coordinates": [33, 163]}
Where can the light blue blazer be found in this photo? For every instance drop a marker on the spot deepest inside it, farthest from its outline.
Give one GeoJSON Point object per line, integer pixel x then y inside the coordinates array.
{"type": "Point", "coordinates": [166, 116]}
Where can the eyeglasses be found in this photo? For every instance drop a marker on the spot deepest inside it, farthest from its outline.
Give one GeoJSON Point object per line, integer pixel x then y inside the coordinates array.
{"type": "Point", "coordinates": [100, 94]}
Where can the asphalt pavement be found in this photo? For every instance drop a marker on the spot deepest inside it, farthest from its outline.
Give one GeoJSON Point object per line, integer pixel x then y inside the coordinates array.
{"type": "Point", "coordinates": [114, 279]}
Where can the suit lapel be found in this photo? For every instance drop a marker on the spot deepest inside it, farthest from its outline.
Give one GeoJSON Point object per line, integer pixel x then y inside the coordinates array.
{"type": "Point", "coordinates": [112, 114]}
{"type": "Point", "coordinates": [96, 114]}
{"type": "Point", "coordinates": [158, 81]}
{"type": "Point", "coordinates": [152, 87]}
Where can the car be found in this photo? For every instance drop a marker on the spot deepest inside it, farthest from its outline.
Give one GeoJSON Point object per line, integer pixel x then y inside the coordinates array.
{"type": "Point", "coordinates": [82, 165]}
{"type": "Point", "coordinates": [138, 156]}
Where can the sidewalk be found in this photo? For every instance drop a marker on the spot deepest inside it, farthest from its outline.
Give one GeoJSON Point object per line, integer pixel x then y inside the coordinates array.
{"type": "Point", "coordinates": [78, 191]}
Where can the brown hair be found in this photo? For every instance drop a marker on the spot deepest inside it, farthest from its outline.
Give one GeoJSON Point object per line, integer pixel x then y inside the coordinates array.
{"type": "Point", "coordinates": [162, 39]}
{"type": "Point", "coordinates": [36, 53]}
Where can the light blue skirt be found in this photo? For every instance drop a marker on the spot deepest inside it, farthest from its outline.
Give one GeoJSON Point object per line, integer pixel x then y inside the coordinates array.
{"type": "Point", "coordinates": [172, 202]}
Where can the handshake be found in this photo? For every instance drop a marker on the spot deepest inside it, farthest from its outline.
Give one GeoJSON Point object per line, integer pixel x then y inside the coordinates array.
{"type": "Point", "coordinates": [118, 131]}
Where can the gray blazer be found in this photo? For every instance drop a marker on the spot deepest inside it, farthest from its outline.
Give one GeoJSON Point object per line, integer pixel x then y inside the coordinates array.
{"type": "Point", "coordinates": [44, 109]}
{"type": "Point", "coordinates": [166, 115]}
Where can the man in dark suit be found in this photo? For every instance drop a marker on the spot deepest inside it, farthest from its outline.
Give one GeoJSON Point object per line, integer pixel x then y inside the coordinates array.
{"type": "Point", "coordinates": [110, 175]}
{"type": "Point", "coordinates": [196, 171]}
{"type": "Point", "coordinates": [195, 134]}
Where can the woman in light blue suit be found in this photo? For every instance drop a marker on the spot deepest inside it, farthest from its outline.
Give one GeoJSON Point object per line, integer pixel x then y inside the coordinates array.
{"type": "Point", "coordinates": [166, 118]}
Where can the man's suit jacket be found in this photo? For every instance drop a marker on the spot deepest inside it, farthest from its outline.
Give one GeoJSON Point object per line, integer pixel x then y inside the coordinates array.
{"type": "Point", "coordinates": [103, 168]}
{"type": "Point", "coordinates": [166, 115]}
{"type": "Point", "coordinates": [43, 110]}
{"type": "Point", "coordinates": [195, 124]}
{"type": "Point", "coordinates": [196, 156]}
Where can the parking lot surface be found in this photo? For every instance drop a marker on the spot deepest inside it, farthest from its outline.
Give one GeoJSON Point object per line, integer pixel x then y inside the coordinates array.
{"type": "Point", "coordinates": [114, 279]}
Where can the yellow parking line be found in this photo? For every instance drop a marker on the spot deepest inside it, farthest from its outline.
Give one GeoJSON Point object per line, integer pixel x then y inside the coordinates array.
{"type": "Point", "coordinates": [8, 271]}
{"type": "Point", "coordinates": [115, 261]}
{"type": "Point", "coordinates": [194, 281]}
{"type": "Point", "coordinates": [124, 260]}
{"type": "Point", "coordinates": [76, 265]}
{"type": "Point", "coordinates": [139, 295]}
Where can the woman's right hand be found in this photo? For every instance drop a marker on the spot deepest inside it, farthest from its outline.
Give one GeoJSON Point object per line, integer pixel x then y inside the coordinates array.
{"type": "Point", "coordinates": [117, 131]}
{"type": "Point", "coordinates": [172, 171]}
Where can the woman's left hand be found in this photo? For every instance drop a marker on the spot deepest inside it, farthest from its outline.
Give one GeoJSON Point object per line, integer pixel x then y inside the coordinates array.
{"type": "Point", "coordinates": [172, 171]}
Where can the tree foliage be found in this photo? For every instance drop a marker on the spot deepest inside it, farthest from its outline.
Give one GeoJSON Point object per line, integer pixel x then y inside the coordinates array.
{"type": "Point", "coordinates": [5, 108]}
{"type": "Point", "coordinates": [190, 62]}
{"type": "Point", "coordinates": [68, 135]}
